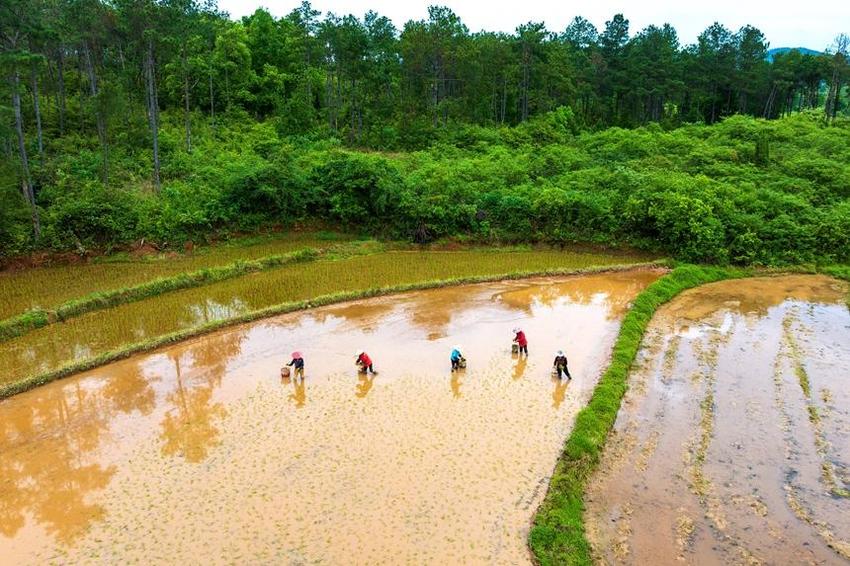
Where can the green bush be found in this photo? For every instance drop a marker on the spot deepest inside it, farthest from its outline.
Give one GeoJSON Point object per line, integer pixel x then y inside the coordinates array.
{"type": "Point", "coordinates": [693, 192]}
{"type": "Point", "coordinates": [92, 217]}
{"type": "Point", "coordinates": [358, 190]}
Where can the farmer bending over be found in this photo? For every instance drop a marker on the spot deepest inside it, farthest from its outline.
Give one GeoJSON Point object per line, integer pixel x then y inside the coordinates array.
{"type": "Point", "coordinates": [298, 362]}
{"type": "Point", "coordinates": [519, 338]}
{"type": "Point", "coordinates": [364, 362]}
{"type": "Point", "coordinates": [457, 358]}
{"type": "Point", "coordinates": [561, 365]}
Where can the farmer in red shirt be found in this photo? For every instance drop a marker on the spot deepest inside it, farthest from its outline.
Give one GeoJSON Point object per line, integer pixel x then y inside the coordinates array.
{"type": "Point", "coordinates": [364, 361]}
{"type": "Point", "coordinates": [519, 338]}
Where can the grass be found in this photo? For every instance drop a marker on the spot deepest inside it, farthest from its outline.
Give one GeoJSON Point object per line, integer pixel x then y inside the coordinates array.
{"type": "Point", "coordinates": [19, 385]}
{"type": "Point", "coordinates": [557, 535]}
{"type": "Point", "coordinates": [46, 288]}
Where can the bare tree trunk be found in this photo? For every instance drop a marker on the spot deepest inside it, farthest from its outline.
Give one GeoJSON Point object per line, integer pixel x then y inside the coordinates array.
{"type": "Point", "coordinates": [153, 111]}
{"type": "Point", "coordinates": [338, 101]}
{"type": "Point", "coordinates": [26, 181]}
{"type": "Point", "coordinates": [212, 98]}
{"type": "Point", "coordinates": [713, 102]}
{"type": "Point", "coordinates": [186, 115]}
{"type": "Point", "coordinates": [504, 98]}
{"type": "Point", "coordinates": [37, 108]}
{"type": "Point", "coordinates": [309, 82]}
{"type": "Point", "coordinates": [831, 97]}
{"type": "Point", "coordinates": [836, 99]}
{"type": "Point", "coordinates": [768, 107]}
{"type": "Point", "coordinates": [60, 68]}
{"type": "Point", "coordinates": [331, 102]}
{"type": "Point", "coordinates": [101, 126]}
{"type": "Point", "coordinates": [525, 77]}
{"type": "Point", "coordinates": [353, 110]}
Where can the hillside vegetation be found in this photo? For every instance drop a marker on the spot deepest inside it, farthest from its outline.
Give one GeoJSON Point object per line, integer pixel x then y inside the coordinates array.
{"type": "Point", "coordinates": [170, 122]}
{"type": "Point", "coordinates": [743, 190]}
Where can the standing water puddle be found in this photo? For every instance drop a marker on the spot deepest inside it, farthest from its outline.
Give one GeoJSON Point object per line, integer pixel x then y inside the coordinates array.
{"type": "Point", "coordinates": [200, 452]}
{"type": "Point", "coordinates": [733, 442]}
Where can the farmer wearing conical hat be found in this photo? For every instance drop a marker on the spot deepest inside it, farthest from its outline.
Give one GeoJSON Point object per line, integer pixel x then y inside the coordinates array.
{"type": "Point", "coordinates": [298, 363]}
{"type": "Point", "coordinates": [521, 340]}
{"type": "Point", "coordinates": [561, 365]}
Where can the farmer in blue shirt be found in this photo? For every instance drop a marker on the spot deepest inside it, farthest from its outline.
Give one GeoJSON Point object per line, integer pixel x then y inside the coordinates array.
{"type": "Point", "coordinates": [457, 358]}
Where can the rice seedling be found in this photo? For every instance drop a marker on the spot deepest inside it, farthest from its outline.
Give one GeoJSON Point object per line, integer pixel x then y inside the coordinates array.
{"type": "Point", "coordinates": [47, 287]}
{"type": "Point", "coordinates": [90, 335]}
{"type": "Point", "coordinates": [37, 318]}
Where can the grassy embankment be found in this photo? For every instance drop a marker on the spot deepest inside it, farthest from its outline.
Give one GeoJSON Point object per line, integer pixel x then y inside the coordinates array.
{"type": "Point", "coordinates": [558, 533]}
{"type": "Point", "coordinates": [53, 284]}
{"type": "Point", "coordinates": [325, 282]}
{"type": "Point", "coordinates": [98, 300]}
{"type": "Point", "coordinates": [104, 288]}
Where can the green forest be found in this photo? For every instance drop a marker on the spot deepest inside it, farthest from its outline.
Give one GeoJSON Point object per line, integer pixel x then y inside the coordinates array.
{"type": "Point", "coordinates": [165, 120]}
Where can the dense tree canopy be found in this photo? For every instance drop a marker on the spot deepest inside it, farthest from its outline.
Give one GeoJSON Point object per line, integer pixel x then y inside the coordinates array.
{"type": "Point", "coordinates": [105, 104]}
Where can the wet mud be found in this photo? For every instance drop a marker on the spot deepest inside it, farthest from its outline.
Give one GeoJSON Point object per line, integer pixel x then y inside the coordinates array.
{"type": "Point", "coordinates": [733, 442]}
{"type": "Point", "coordinates": [202, 452]}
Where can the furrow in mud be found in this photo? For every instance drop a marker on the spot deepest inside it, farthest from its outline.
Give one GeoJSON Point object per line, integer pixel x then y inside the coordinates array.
{"type": "Point", "coordinates": [739, 428]}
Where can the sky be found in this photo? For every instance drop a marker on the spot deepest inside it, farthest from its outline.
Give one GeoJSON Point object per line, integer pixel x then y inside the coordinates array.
{"type": "Point", "coordinates": [785, 23]}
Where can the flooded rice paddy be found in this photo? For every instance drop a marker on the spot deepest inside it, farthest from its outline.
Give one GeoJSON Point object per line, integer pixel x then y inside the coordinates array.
{"type": "Point", "coordinates": [95, 333]}
{"type": "Point", "coordinates": [201, 452]}
{"type": "Point", "coordinates": [48, 287]}
{"type": "Point", "coordinates": [733, 442]}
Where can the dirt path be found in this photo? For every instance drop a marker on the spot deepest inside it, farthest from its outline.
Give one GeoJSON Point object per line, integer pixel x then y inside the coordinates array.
{"type": "Point", "coordinates": [200, 452]}
{"type": "Point", "coordinates": [732, 443]}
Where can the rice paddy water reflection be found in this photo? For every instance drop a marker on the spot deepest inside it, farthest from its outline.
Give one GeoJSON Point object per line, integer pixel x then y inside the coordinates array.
{"type": "Point", "coordinates": [202, 452]}
{"type": "Point", "coordinates": [51, 347]}
{"type": "Point", "coordinates": [732, 443]}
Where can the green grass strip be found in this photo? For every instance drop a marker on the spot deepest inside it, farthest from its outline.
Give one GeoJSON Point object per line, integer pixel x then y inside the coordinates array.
{"type": "Point", "coordinates": [13, 388]}
{"type": "Point", "coordinates": [557, 535]}
{"type": "Point", "coordinates": [37, 318]}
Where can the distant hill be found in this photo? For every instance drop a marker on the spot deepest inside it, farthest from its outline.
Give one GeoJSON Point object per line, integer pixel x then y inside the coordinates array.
{"type": "Point", "coordinates": [804, 50]}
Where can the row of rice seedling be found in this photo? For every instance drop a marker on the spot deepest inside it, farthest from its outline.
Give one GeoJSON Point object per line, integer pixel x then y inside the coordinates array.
{"type": "Point", "coordinates": [558, 532]}
{"type": "Point", "coordinates": [37, 318]}
{"type": "Point", "coordinates": [47, 287]}
{"type": "Point", "coordinates": [47, 349]}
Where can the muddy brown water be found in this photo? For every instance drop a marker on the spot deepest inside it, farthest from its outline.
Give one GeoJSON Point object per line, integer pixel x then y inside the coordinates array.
{"type": "Point", "coordinates": [201, 452]}
{"type": "Point", "coordinates": [95, 333]}
{"type": "Point", "coordinates": [733, 443]}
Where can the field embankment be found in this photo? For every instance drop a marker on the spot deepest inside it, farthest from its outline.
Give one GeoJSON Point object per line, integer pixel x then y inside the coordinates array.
{"type": "Point", "coordinates": [200, 450]}
{"type": "Point", "coordinates": [48, 287]}
{"type": "Point", "coordinates": [93, 338]}
{"type": "Point", "coordinates": [730, 446]}
{"type": "Point", "coordinates": [558, 536]}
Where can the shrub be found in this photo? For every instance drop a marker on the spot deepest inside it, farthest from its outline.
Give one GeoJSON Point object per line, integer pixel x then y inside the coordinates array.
{"type": "Point", "coordinates": [93, 217]}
